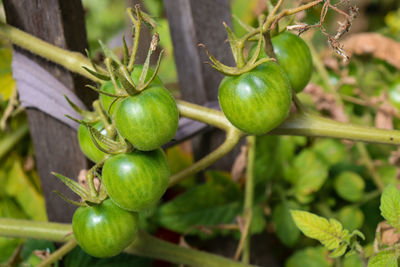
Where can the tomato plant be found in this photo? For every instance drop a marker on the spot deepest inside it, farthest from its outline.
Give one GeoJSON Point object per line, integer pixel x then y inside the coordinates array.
{"type": "Point", "coordinates": [256, 101]}
{"type": "Point", "coordinates": [295, 58]}
{"type": "Point", "coordinates": [149, 119]}
{"type": "Point", "coordinates": [104, 230]}
{"type": "Point", "coordinates": [137, 180]}
{"type": "Point", "coordinates": [87, 146]}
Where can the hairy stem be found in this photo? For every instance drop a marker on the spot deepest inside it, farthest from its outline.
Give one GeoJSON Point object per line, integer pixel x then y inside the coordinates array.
{"type": "Point", "coordinates": [59, 253]}
{"type": "Point", "coordinates": [144, 244]}
{"type": "Point", "coordinates": [232, 138]}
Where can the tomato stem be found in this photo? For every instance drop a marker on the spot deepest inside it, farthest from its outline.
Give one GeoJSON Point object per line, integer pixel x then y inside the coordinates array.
{"type": "Point", "coordinates": [144, 244]}
{"type": "Point", "coordinates": [59, 253]}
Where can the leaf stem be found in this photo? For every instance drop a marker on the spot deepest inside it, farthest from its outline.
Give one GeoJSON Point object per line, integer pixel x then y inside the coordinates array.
{"type": "Point", "coordinates": [366, 160]}
{"type": "Point", "coordinates": [144, 244]}
{"type": "Point", "coordinates": [232, 138]}
{"type": "Point", "coordinates": [249, 195]}
{"type": "Point", "coordinates": [59, 253]}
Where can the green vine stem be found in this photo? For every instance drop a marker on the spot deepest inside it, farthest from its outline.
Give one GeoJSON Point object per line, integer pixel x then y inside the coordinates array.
{"type": "Point", "coordinates": [309, 124]}
{"type": "Point", "coordinates": [59, 253]}
{"type": "Point", "coordinates": [232, 138]}
{"type": "Point", "coordinates": [367, 161]}
{"type": "Point", "coordinates": [144, 244]}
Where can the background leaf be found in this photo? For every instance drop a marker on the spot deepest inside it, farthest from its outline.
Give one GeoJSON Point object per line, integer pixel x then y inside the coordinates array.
{"type": "Point", "coordinates": [390, 206]}
{"type": "Point", "coordinates": [384, 259]}
{"type": "Point", "coordinates": [285, 227]}
{"type": "Point", "coordinates": [218, 201]}
{"type": "Point", "coordinates": [310, 257]}
{"type": "Point", "coordinates": [350, 186]}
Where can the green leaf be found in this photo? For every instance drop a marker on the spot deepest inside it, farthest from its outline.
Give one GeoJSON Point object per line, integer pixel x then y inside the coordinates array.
{"type": "Point", "coordinates": [350, 186]}
{"type": "Point", "coordinates": [21, 188]}
{"type": "Point", "coordinates": [285, 227]}
{"type": "Point", "coordinates": [218, 201]}
{"type": "Point", "coordinates": [310, 173]}
{"type": "Point", "coordinates": [6, 80]}
{"type": "Point", "coordinates": [31, 245]}
{"type": "Point", "coordinates": [77, 257]}
{"type": "Point", "coordinates": [332, 151]}
{"type": "Point", "coordinates": [390, 206]}
{"type": "Point", "coordinates": [352, 261]}
{"type": "Point", "coordinates": [384, 258]}
{"type": "Point", "coordinates": [180, 159]}
{"type": "Point", "coordinates": [310, 257]}
{"type": "Point", "coordinates": [7, 247]}
{"type": "Point", "coordinates": [351, 217]}
{"type": "Point", "coordinates": [329, 233]}
{"type": "Point", "coordinates": [258, 222]}
{"type": "Point", "coordinates": [338, 252]}
{"type": "Point", "coordinates": [388, 174]}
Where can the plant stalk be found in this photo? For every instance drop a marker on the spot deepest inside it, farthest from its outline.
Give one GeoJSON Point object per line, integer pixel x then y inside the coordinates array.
{"type": "Point", "coordinates": [59, 253]}
{"type": "Point", "coordinates": [232, 138]}
{"type": "Point", "coordinates": [144, 244]}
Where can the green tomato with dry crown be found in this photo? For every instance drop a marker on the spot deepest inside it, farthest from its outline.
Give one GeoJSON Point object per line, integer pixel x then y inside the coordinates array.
{"type": "Point", "coordinates": [256, 101]}
{"type": "Point", "coordinates": [148, 119]}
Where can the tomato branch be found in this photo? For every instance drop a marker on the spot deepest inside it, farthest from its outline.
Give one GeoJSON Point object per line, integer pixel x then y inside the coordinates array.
{"type": "Point", "coordinates": [144, 244]}
{"type": "Point", "coordinates": [232, 138]}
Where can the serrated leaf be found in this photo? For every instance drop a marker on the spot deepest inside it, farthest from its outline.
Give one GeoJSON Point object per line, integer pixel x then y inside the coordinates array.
{"type": "Point", "coordinates": [338, 252]}
{"type": "Point", "coordinates": [384, 258]}
{"type": "Point", "coordinates": [285, 227]}
{"type": "Point", "coordinates": [310, 257]}
{"type": "Point", "coordinates": [212, 203]}
{"type": "Point", "coordinates": [258, 222]}
{"type": "Point", "coordinates": [350, 186]}
{"type": "Point", "coordinates": [329, 233]}
{"type": "Point", "coordinates": [390, 206]}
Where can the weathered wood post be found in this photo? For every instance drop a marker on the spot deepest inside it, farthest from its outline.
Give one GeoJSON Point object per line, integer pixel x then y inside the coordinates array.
{"type": "Point", "coordinates": [193, 22]}
{"type": "Point", "coordinates": [56, 147]}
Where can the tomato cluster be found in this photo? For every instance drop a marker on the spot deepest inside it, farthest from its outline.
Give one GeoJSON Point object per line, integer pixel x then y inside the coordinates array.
{"type": "Point", "coordinates": [135, 178]}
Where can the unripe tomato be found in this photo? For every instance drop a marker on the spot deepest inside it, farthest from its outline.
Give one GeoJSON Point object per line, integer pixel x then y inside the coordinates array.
{"type": "Point", "coordinates": [109, 87]}
{"type": "Point", "coordinates": [137, 180]}
{"type": "Point", "coordinates": [295, 58]}
{"type": "Point", "coordinates": [256, 101]}
{"type": "Point", "coordinates": [87, 146]}
{"type": "Point", "coordinates": [104, 230]}
{"type": "Point", "coordinates": [149, 119]}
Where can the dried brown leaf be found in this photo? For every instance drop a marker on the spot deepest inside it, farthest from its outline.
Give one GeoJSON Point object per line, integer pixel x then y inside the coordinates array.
{"type": "Point", "coordinates": [389, 235]}
{"type": "Point", "coordinates": [239, 166]}
{"type": "Point", "coordinates": [375, 44]}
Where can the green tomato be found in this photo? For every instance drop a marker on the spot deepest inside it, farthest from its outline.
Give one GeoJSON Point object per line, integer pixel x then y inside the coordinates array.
{"type": "Point", "coordinates": [295, 58]}
{"type": "Point", "coordinates": [109, 87]}
{"type": "Point", "coordinates": [256, 101]}
{"type": "Point", "coordinates": [104, 230]}
{"type": "Point", "coordinates": [137, 180]}
{"type": "Point", "coordinates": [87, 146]}
{"type": "Point", "coordinates": [149, 119]}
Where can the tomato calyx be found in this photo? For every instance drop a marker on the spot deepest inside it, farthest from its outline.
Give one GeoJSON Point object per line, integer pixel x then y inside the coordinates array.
{"type": "Point", "coordinates": [237, 45]}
